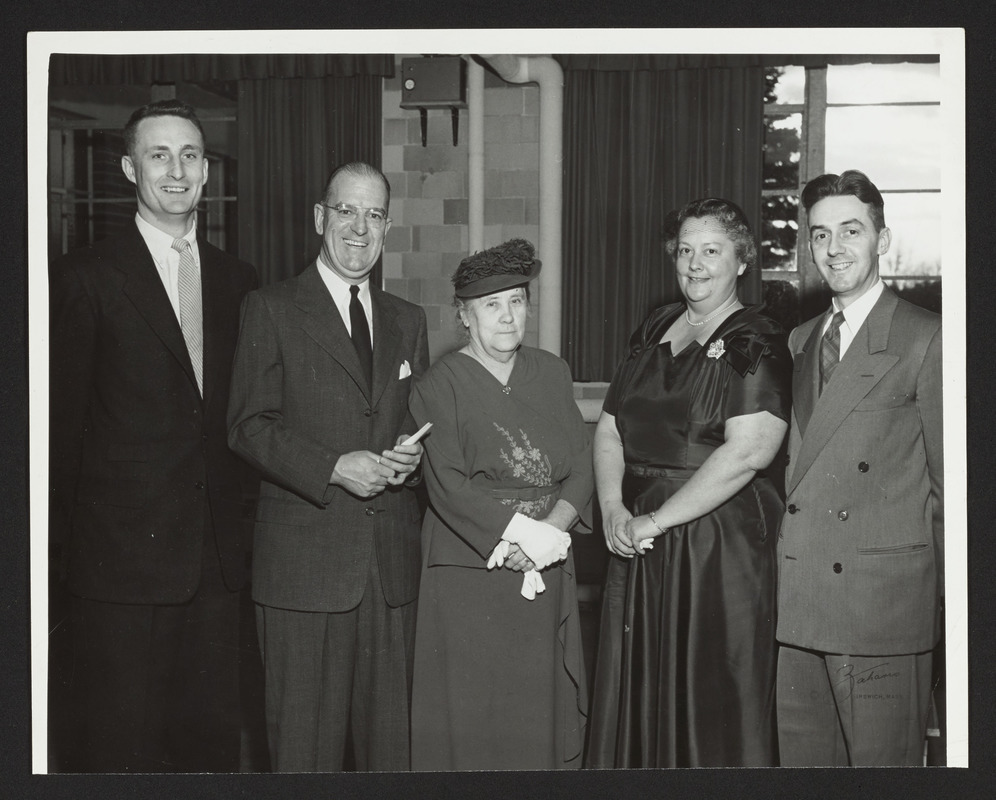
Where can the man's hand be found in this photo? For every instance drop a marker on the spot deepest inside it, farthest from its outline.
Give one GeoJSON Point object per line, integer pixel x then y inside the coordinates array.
{"type": "Point", "coordinates": [362, 473]}
{"type": "Point", "coordinates": [402, 460]}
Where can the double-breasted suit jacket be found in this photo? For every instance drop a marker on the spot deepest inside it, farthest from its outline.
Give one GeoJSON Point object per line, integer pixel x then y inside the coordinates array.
{"type": "Point", "coordinates": [299, 401]}
{"type": "Point", "coordinates": [139, 462]}
{"type": "Point", "coordinates": [861, 546]}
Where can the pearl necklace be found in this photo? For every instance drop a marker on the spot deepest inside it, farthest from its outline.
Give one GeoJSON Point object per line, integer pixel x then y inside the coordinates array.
{"type": "Point", "coordinates": [712, 316]}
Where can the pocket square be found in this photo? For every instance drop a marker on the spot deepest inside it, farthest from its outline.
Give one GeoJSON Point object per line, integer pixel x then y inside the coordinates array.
{"type": "Point", "coordinates": [405, 370]}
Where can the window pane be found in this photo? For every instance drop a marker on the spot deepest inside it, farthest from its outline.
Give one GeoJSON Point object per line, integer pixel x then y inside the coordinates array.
{"type": "Point", "coordinates": [782, 135]}
{"type": "Point", "coordinates": [781, 300]}
{"type": "Point", "coordinates": [883, 83]}
{"type": "Point", "coordinates": [786, 85]}
{"type": "Point", "coordinates": [779, 231]}
{"type": "Point", "coordinates": [924, 293]}
{"type": "Point", "coordinates": [915, 222]}
{"type": "Point", "coordinates": [898, 147]}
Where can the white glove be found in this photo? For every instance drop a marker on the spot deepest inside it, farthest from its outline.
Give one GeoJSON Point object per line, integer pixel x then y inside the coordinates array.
{"type": "Point", "coordinates": [499, 554]}
{"type": "Point", "coordinates": [532, 584]}
{"type": "Point", "coordinates": [541, 542]}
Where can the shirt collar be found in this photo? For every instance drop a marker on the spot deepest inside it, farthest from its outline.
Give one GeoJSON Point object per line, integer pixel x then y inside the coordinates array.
{"type": "Point", "coordinates": [857, 312]}
{"type": "Point", "coordinates": [159, 242]}
{"type": "Point", "coordinates": [339, 287]}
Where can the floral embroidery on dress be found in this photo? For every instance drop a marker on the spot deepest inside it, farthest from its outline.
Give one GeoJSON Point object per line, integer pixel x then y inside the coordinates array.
{"type": "Point", "coordinates": [532, 466]}
{"type": "Point", "coordinates": [526, 461]}
{"type": "Point", "coordinates": [533, 509]}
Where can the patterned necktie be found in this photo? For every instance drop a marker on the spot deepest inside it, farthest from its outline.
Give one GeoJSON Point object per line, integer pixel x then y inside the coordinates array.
{"type": "Point", "coordinates": [830, 349]}
{"type": "Point", "coordinates": [360, 332]}
{"type": "Point", "coordinates": [191, 317]}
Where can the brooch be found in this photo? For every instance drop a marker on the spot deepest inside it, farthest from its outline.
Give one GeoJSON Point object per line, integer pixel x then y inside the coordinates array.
{"type": "Point", "coordinates": [716, 349]}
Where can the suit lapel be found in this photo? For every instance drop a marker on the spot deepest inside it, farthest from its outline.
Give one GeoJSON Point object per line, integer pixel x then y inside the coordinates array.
{"type": "Point", "coordinates": [859, 371]}
{"type": "Point", "coordinates": [805, 376]}
{"type": "Point", "coordinates": [387, 356]}
{"type": "Point", "coordinates": [145, 289]}
{"type": "Point", "coordinates": [324, 324]}
{"type": "Point", "coordinates": [217, 307]}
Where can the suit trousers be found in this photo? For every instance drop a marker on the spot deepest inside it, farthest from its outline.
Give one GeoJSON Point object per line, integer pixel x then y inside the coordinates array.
{"type": "Point", "coordinates": [329, 676]}
{"type": "Point", "coordinates": [158, 686]}
{"type": "Point", "coordinates": [860, 711]}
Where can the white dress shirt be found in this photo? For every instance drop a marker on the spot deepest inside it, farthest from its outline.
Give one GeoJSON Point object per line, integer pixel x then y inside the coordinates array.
{"type": "Point", "coordinates": [167, 259]}
{"type": "Point", "coordinates": [854, 315]}
{"type": "Point", "coordinates": [339, 289]}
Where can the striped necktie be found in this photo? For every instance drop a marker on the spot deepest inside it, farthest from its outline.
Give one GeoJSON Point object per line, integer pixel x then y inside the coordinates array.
{"type": "Point", "coordinates": [191, 314]}
{"type": "Point", "coordinates": [830, 349]}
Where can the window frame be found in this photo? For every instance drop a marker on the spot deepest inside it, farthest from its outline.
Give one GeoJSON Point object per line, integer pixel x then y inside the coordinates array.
{"type": "Point", "coordinates": [813, 110]}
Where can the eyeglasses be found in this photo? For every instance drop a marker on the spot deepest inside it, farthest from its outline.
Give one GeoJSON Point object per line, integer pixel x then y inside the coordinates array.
{"type": "Point", "coordinates": [375, 217]}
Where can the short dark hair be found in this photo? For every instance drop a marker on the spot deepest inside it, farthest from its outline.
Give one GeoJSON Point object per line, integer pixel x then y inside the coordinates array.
{"type": "Point", "coordinates": [850, 182]}
{"type": "Point", "coordinates": [728, 214]}
{"type": "Point", "coordinates": [161, 108]}
{"type": "Point", "coordinates": [361, 169]}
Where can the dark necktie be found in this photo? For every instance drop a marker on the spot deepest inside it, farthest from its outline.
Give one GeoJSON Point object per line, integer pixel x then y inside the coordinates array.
{"type": "Point", "coordinates": [191, 317]}
{"type": "Point", "coordinates": [830, 349]}
{"type": "Point", "coordinates": [360, 332]}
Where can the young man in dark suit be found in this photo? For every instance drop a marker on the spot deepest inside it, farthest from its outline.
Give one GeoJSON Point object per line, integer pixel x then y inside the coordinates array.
{"type": "Point", "coordinates": [148, 504]}
{"type": "Point", "coordinates": [321, 410]}
{"type": "Point", "coordinates": [861, 547]}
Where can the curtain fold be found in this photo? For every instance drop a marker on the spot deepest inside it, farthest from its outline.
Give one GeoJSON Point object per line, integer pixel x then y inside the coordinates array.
{"type": "Point", "coordinates": [661, 61]}
{"type": "Point", "coordinates": [144, 69]}
{"type": "Point", "coordinates": [637, 145]}
{"type": "Point", "coordinates": [292, 133]}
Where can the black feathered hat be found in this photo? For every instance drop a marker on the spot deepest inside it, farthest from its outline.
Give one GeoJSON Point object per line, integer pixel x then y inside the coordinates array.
{"type": "Point", "coordinates": [497, 268]}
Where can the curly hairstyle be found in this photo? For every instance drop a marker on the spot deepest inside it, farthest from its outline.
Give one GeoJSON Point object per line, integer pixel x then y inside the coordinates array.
{"type": "Point", "coordinates": [729, 215]}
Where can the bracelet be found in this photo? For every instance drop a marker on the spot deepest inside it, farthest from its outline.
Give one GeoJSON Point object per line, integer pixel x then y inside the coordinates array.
{"type": "Point", "coordinates": [653, 519]}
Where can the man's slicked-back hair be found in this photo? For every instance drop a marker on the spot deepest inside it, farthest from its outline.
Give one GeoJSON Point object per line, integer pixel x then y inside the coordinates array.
{"type": "Point", "coordinates": [161, 108]}
{"type": "Point", "coordinates": [852, 183]}
{"type": "Point", "coordinates": [361, 169]}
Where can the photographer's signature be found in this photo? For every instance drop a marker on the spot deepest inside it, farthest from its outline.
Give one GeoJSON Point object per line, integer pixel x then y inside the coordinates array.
{"type": "Point", "coordinates": [866, 676]}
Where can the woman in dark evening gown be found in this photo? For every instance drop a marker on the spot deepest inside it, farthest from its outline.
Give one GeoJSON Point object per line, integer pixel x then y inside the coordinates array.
{"type": "Point", "coordinates": [685, 673]}
{"type": "Point", "coordinates": [499, 679]}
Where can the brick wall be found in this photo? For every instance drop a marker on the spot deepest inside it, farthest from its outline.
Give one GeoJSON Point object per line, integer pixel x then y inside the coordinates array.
{"type": "Point", "coordinates": [429, 191]}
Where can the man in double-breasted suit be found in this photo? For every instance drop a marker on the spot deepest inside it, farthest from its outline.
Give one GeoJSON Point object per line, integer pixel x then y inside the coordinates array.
{"type": "Point", "coordinates": [149, 508]}
{"type": "Point", "coordinates": [861, 546]}
{"type": "Point", "coordinates": [336, 561]}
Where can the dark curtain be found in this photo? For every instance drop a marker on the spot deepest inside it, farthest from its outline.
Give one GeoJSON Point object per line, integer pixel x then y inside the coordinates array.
{"type": "Point", "coordinates": [141, 70]}
{"type": "Point", "coordinates": [658, 61]}
{"type": "Point", "coordinates": [637, 145]}
{"type": "Point", "coordinates": [292, 133]}
{"type": "Point", "coordinates": [299, 115]}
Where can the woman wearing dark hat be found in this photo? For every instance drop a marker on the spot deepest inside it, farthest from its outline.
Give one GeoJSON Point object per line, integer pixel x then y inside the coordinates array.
{"type": "Point", "coordinates": [499, 680]}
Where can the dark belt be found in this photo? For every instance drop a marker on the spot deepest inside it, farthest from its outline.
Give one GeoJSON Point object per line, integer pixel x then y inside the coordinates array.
{"type": "Point", "coordinates": [643, 471]}
{"type": "Point", "coordinates": [524, 492]}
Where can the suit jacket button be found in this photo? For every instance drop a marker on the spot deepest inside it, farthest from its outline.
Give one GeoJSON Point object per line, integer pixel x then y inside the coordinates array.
{"type": "Point", "coordinates": [792, 508]}
{"type": "Point", "coordinates": [863, 466]}
{"type": "Point", "coordinates": [838, 568]}
{"type": "Point", "coordinates": [842, 516]}
{"type": "Point", "coordinates": [369, 511]}
{"type": "Point", "coordinates": [367, 412]}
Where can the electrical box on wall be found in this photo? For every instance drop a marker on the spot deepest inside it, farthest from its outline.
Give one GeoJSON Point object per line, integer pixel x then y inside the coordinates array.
{"type": "Point", "coordinates": [434, 82]}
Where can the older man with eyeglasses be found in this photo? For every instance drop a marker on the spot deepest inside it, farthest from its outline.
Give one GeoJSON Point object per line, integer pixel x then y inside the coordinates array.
{"type": "Point", "coordinates": [322, 376]}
